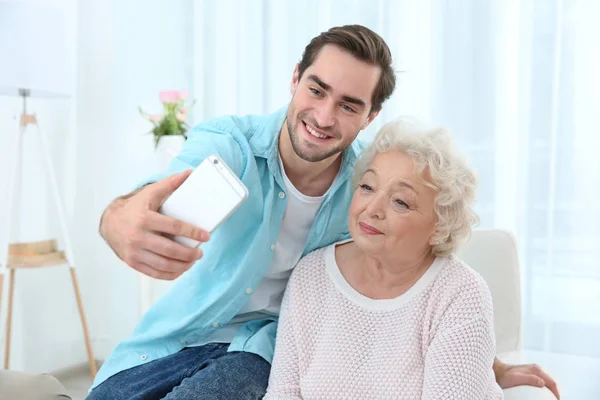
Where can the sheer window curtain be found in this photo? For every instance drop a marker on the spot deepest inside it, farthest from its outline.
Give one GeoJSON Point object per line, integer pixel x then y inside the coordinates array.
{"type": "Point", "coordinates": [516, 81]}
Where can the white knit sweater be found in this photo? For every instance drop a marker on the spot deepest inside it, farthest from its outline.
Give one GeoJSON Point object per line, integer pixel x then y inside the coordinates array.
{"type": "Point", "coordinates": [436, 341]}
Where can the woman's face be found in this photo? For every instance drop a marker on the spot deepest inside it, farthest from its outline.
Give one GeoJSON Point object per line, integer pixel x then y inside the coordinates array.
{"type": "Point", "coordinates": [391, 214]}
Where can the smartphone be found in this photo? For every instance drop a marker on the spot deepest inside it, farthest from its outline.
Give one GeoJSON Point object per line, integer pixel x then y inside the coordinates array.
{"type": "Point", "coordinates": [206, 198]}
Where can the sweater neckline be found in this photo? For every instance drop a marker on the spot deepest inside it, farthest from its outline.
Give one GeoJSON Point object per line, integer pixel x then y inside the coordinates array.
{"type": "Point", "coordinates": [348, 291]}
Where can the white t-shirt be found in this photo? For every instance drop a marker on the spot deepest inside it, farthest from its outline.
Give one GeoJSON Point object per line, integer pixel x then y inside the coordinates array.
{"type": "Point", "coordinates": [298, 217]}
{"type": "Point", "coordinates": [265, 301]}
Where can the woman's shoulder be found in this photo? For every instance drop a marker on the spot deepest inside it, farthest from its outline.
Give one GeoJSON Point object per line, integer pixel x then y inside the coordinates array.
{"type": "Point", "coordinates": [457, 296]}
{"type": "Point", "coordinates": [458, 274]}
{"type": "Point", "coordinates": [309, 282]}
{"type": "Point", "coordinates": [317, 265]}
{"type": "Point", "coordinates": [458, 281]}
{"type": "Point", "coordinates": [315, 257]}
{"type": "Point", "coordinates": [312, 264]}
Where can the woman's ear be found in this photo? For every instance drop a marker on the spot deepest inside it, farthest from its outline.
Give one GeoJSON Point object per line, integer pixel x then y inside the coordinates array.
{"type": "Point", "coordinates": [432, 239]}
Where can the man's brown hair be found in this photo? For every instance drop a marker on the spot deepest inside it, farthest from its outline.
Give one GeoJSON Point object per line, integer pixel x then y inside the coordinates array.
{"type": "Point", "coordinates": [365, 45]}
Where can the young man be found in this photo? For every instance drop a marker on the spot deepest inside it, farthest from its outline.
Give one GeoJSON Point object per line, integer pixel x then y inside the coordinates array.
{"type": "Point", "coordinates": [212, 336]}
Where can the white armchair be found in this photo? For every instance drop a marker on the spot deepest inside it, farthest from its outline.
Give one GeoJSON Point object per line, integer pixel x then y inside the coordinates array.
{"type": "Point", "coordinates": [493, 254]}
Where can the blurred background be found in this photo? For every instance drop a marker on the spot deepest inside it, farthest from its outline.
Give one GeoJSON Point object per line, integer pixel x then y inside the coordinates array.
{"type": "Point", "coordinates": [516, 81]}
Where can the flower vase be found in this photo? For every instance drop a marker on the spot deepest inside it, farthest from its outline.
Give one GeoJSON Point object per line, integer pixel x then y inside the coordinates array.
{"type": "Point", "coordinates": [168, 147]}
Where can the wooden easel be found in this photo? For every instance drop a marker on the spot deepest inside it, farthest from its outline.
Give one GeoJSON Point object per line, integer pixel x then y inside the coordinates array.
{"type": "Point", "coordinates": [37, 254]}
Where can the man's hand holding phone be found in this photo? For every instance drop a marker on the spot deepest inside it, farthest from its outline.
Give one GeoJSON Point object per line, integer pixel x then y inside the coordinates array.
{"type": "Point", "coordinates": [137, 232]}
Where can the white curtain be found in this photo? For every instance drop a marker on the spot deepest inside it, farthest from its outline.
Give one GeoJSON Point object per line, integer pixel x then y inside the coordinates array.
{"type": "Point", "coordinates": [516, 81]}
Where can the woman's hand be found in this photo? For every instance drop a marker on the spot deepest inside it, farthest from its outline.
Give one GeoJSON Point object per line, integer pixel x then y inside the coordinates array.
{"type": "Point", "coordinates": [509, 376]}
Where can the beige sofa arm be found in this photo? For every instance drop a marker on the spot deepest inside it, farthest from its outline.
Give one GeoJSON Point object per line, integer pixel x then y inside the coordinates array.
{"type": "Point", "coordinates": [528, 393]}
{"type": "Point", "coordinates": [16, 385]}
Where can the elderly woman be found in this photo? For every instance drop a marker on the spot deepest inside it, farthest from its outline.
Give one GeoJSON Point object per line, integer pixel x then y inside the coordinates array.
{"type": "Point", "coordinates": [392, 313]}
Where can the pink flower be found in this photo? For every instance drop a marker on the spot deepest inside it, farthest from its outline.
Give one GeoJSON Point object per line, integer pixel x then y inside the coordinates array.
{"type": "Point", "coordinates": [180, 117]}
{"type": "Point", "coordinates": [155, 117]}
{"type": "Point", "coordinates": [183, 94]}
{"type": "Point", "coordinates": [169, 96]}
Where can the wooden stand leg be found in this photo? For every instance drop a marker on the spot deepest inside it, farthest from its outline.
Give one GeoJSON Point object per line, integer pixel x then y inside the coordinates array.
{"type": "Point", "coordinates": [1, 290]}
{"type": "Point", "coordinates": [88, 344]}
{"type": "Point", "coordinates": [11, 292]}
{"type": "Point", "coordinates": [17, 151]}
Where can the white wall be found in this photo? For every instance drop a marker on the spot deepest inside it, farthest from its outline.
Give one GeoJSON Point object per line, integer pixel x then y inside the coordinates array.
{"type": "Point", "coordinates": [124, 53]}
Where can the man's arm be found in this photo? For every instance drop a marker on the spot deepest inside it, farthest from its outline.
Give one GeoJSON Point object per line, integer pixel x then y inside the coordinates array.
{"type": "Point", "coordinates": [115, 204]}
{"type": "Point", "coordinates": [134, 229]}
{"type": "Point", "coordinates": [509, 376]}
{"type": "Point", "coordinates": [141, 236]}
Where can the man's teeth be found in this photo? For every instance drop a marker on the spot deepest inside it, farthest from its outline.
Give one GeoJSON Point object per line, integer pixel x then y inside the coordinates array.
{"type": "Point", "coordinates": [315, 134]}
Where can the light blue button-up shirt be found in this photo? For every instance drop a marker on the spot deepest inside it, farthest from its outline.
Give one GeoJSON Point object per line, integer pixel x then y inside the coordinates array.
{"type": "Point", "coordinates": [239, 252]}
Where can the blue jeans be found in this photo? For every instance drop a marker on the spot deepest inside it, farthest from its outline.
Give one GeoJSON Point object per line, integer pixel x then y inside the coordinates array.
{"type": "Point", "coordinates": [206, 372]}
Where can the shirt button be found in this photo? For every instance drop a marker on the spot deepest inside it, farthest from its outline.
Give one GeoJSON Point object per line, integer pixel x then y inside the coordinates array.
{"type": "Point", "coordinates": [183, 342]}
{"type": "Point", "coordinates": [249, 291]}
{"type": "Point", "coordinates": [273, 247]}
{"type": "Point", "coordinates": [215, 324]}
{"type": "Point", "coordinates": [144, 357]}
{"type": "Point", "coordinates": [281, 195]}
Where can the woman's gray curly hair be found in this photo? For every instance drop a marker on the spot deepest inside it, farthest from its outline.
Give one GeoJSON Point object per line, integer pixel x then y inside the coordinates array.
{"type": "Point", "coordinates": [436, 160]}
